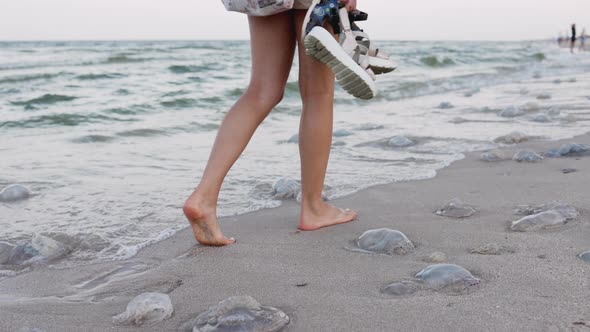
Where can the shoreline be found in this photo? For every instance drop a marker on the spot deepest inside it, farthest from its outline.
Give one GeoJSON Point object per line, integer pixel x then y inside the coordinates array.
{"type": "Point", "coordinates": [342, 288]}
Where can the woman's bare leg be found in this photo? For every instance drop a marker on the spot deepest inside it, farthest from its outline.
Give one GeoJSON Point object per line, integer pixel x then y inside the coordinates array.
{"type": "Point", "coordinates": [316, 83]}
{"type": "Point", "coordinates": [273, 46]}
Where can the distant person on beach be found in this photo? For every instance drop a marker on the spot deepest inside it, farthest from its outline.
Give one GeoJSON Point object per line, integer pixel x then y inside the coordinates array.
{"type": "Point", "coordinates": [583, 40]}
{"type": "Point", "coordinates": [273, 40]}
{"type": "Point", "coordinates": [573, 43]}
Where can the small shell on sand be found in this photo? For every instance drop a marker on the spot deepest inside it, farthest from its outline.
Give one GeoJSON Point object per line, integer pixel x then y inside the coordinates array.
{"type": "Point", "coordinates": [436, 257]}
{"type": "Point", "coordinates": [440, 276]}
{"type": "Point", "coordinates": [385, 241]}
{"type": "Point", "coordinates": [585, 256]}
{"type": "Point", "coordinates": [488, 249]}
{"type": "Point", "coordinates": [146, 309]}
{"type": "Point", "coordinates": [512, 138]}
{"type": "Point", "coordinates": [238, 313]}
{"type": "Point", "coordinates": [401, 288]}
{"type": "Point", "coordinates": [455, 208]}
{"type": "Point", "coordinates": [14, 192]}
{"type": "Point", "coordinates": [528, 156]}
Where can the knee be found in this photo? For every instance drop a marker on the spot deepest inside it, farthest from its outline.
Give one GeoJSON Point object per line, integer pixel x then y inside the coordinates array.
{"type": "Point", "coordinates": [265, 98]}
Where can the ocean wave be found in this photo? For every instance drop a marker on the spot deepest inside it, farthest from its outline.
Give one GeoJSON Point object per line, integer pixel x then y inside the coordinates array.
{"type": "Point", "coordinates": [92, 77]}
{"type": "Point", "coordinates": [123, 58]}
{"type": "Point", "coordinates": [93, 139]}
{"type": "Point", "coordinates": [540, 56]}
{"type": "Point", "coordinates": [180, 103]}
{"type": "Point", "coordinates": [143, 132]}
{"type": "Point", "coordinates": [29, 78]}
{"type": "Point", "coordinates": [129, 110]}
{"type": "Point", "coordinates": [183, 69]}
{"type": "Point", "coordinates": [434, 62]}
{"type": "Point", "coordinates": [46, 99]}
{"type": "Point", "coordinates": [62, 119]}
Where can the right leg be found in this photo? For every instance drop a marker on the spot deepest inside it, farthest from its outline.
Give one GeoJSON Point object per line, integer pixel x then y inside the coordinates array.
{"type": "Point", "coordinates": [273, 46]}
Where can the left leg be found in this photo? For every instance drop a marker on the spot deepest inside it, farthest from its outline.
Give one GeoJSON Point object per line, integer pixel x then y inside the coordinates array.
{"type": "Point", "coordinates": [316, 83]}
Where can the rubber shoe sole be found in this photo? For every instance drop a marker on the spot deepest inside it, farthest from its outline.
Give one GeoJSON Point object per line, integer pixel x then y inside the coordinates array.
{"type": "Point", "coordinates": [321, 45]}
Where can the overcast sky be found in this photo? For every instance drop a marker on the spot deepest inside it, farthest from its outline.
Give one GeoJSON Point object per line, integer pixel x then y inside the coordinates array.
{"type": "Point", "coordinates": [207, 19]}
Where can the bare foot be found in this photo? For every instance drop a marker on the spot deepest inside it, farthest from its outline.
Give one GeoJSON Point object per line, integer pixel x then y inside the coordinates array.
{"type": "Point", "coordinates": [203, 220]}
{"type": "Point", "coordinates": [324, 216]}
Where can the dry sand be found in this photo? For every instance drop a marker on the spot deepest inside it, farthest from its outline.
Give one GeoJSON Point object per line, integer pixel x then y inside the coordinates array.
{"type": "Point", "coordinates": [541, 286]}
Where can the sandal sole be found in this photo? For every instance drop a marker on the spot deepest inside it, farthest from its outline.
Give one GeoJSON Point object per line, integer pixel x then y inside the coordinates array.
{"type": "Point", "coordinates": [320, 44]}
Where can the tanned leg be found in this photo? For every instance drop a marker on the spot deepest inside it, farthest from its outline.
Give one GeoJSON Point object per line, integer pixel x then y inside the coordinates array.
{"type": "Point", "coordinates": [273, 45]}
{"type": "Point", "coordinates": [316, 83]}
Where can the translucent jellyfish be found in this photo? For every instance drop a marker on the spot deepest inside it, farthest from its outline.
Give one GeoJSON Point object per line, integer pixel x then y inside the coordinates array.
{"type": "Point", "coordinates": [238, 313]}
{"type": "Point", "coordinates": [492, 156]}
{"type": "Point", "coordinates": [285, 188]}
{"type": "Point", "coordinates": [400, 141]}
{"type": "Point", "coordinates": [436, 257]}
{"type": "Point", "coordinates": [445, 105]}
{"type": "Point", "coordinates": [543, 96]}
{"type": "Point", "coordinates": [384, 241]}
{"type": "Point", "coordinates": [146, 309]}
{"type": "Point", "coordinates": [567, 211]}
{"type": "Point", "coordinates": [535, 222]}
{"type": "Point", "coordinates": [5, 249]}
{"type": "Point", "coordinates": [542, 118]}
{"type": "Point", "coordinates": [455, 208]}
{"type": "Point", "coordinates": [585, 256]}
{"type": "Point", "coordinates": [22, 254]}
{"type": "Point", "coordinates": [528, 156]}
{"type": "Point", "coordinates": [571, 149]}
{"type": "Point", "coordinates": [14, 192]}
{"type": "Point", "coordinates": [341, 133]}
{"type": "Point", "coordinates": [401, 288]}
{"type": "Point", "coordinates": [512, 138]}
{"type": "Point", "coordinates": [441, 276]}
{"type": "Point", "coordinates": [48, 247]}
{"type": "Point", "coordinates": [511, 112]}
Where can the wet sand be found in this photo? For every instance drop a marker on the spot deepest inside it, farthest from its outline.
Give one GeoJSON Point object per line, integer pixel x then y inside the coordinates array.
{"type": "Point", "coordinates": [539, 284]}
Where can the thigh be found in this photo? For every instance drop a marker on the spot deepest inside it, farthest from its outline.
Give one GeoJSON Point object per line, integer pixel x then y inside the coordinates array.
{"type": "Point", "coordinates": [314, 76]}
{"type": "Point", "coordinates": [272, 40]}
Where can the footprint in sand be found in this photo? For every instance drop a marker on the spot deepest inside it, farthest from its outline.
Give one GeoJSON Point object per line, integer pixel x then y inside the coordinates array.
{"type": "Point", "coordinates": [491, 249]}
{"type": "Point", "coordinates": [238, 313]}
{"type": "Point", "coordinates": [383, 241]}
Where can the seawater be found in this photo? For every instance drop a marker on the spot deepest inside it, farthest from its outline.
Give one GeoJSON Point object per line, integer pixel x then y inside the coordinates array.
{"type": "Point", "coordinates": [111, 137]}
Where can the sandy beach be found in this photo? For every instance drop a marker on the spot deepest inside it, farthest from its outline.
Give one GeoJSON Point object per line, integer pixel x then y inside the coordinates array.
{"type": "Point", "coordinates": [536, 283]}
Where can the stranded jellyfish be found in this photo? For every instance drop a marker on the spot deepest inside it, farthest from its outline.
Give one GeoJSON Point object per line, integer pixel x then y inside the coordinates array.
{"type": "Point", "coordinates": [455, 208]}
{"type": "Point", "coordinates": [384, 241]}
{"type": "Point", "coordinates": [146, 309]}
{"type": "Point", "coordinates": [238, 313]}
{"type": "Point", "coordinates": [439, 276]}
